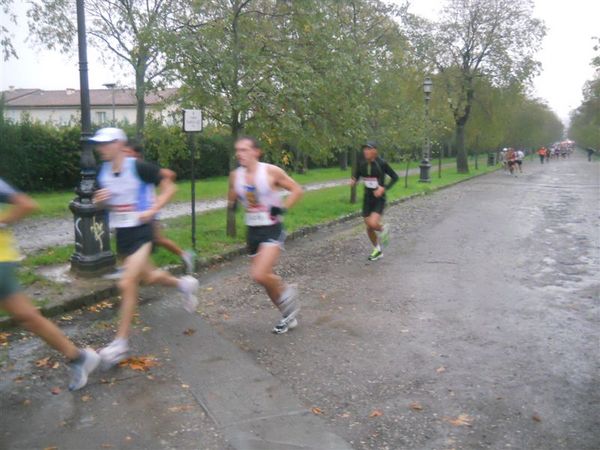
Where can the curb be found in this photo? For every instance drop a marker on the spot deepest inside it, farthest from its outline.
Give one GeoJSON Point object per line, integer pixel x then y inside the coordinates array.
{"type": "Point", "coordinates": [91, 298]}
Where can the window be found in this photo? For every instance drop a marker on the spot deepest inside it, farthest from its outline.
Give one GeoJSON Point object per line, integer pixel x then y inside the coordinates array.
{"type": "Point", "coordinates": [101, 117]}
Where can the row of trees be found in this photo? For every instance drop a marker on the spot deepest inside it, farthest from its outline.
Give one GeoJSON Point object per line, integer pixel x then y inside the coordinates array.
{"type": "Point", "coordinates": [318, 76]}
{"type": "Point", "coordinates": [585, 120]}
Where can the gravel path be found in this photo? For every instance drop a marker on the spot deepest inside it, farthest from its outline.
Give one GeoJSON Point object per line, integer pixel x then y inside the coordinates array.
{"type": "Point", "coordinates": [37, 234]}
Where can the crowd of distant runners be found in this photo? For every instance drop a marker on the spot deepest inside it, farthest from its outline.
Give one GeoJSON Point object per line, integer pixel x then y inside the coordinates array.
{"type": "Point", "coordinates": [133, 192]}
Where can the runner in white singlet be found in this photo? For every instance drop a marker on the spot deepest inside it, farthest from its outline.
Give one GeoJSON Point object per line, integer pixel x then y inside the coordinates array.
{"type": "Point", "coordinates": [256, 185]}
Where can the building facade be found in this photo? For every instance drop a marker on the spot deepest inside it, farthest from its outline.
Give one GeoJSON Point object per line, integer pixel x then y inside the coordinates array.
{"type": "Point", "coordinates": [108, 106]}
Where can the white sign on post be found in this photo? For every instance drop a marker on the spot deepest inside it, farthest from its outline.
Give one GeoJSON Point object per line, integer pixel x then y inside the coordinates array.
{"type": "Point", "coordinates": [192, 120]}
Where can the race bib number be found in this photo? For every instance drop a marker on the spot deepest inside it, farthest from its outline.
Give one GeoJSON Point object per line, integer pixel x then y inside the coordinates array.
{"type": "Point", "coordinates": [371, 182]}
{"type": "Point", "coordinates": [124, 219]}
{"type": "Point", "coordinates": [258, 218]}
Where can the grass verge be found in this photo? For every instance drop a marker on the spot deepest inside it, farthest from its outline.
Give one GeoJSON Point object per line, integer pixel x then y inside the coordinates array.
{"type": "Point", "coordinates": [56, 204]}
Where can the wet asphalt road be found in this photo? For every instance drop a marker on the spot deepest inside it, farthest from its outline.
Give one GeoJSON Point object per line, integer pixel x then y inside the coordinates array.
{"type": "Point", "coordinates": [478, 329]}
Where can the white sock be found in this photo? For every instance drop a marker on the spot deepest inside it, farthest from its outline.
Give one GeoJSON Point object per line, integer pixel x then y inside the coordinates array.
{"type": "Point", "coordinates": [378, 247]}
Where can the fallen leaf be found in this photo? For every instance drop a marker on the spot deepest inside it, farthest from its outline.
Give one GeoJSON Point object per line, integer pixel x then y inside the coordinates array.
{"type": "Point", "coordinates": [416, 406]}
{"type": "Point", "coordinates": [146, 329]}
{"type": "Point", "coordinates": [51, 448]}
{"type": "Point", "coordinates": [4, 338]}
{"type": "Point", "coordinates": [66, 317]}
{"type": "Point", "coordinates": [460, 421]}
{"type": "Point", "coordinates": [128, 438]}
{"type": "Point", "coordinates": [209, 288]}
{"type": "Point", "coordinates": [181, 408]}
{"type": "Point", "coordinates": [56, 365]}
{"type": "Point", "coordinates": [55, 390]}
{"type": "Point", "coordinates": [19, 379]}
{"type": "Point", "coordinates": [317, 411]}
{"type": "Point", "coordinates": [100, 306]}
{"type": "Point", "coordinates": [27, 402]}
{"type": "Point", "coordinates": [440, 369]}
{"type": "Point", "coordinates": [42, 362]}
{"type": "Point", "coordinates": [86, 398]}
{"type": "Point", "coordinates": [185, 386]}
{"type": "Point", "coordinates": [345, 415]}
{"type": "Point", "coordinates": [189, 331]}
{"type": "Point", "coordinates": [225, 316]}
{"type": "Point", "coordinates": [139, 363]}
{"type": "Point", "coordinates": [536, 417]}
{"type": "Point", "coordinates": [106, 446]}
{"type": "Point", "coordinates": [376, 413]}
{"type": "Point", "coordinates": [323, 296]}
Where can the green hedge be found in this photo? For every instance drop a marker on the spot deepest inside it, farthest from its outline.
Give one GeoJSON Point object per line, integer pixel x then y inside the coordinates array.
{"type": "Point", "coordinates": [40, 157]}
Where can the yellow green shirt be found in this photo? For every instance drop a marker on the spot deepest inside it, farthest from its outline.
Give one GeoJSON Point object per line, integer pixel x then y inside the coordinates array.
{"type": "Point", "coordinates": [8, 249]}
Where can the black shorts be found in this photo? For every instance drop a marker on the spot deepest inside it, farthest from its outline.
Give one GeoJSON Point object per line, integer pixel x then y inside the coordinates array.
{"type": "Point", "coordinates": [372, 204]}
{"type": "Point", "coordinates": [519, 162]}
{"type": "Point", "coordinates": [129, 240]}
{"type": "Point", "coordinates": [270, 234]}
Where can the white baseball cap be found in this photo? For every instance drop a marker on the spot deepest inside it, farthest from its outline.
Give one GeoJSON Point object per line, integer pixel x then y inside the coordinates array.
{"type": "Point", "coordinates": [104, 135]}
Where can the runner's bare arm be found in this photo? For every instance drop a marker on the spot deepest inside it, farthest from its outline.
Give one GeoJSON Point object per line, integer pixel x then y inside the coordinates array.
{"type": "Point", "coordinates": [22, 205]}
{"type": "Point", "coordinates": [231, 195]}
{"type": "Point", "coordinates": [283, 180]}
{"type": "Point", "coordinates": [168, 173]}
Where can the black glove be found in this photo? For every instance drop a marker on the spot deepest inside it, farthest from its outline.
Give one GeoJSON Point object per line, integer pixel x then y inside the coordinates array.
{"type": "Point", "coordinates": [278, 211]}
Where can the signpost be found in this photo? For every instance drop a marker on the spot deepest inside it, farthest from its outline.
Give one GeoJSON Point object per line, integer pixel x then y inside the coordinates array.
{"type": "Point", "coordinates": [192, 123]}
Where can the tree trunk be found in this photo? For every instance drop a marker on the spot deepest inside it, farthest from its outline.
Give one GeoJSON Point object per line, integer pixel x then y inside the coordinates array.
{"type": "Point", "coordinates": [236, 128]}
{"type": "Point", "coordinates": [344, 159]}
{"type": "Point", "coordinates": [140, 97]}
{"type": "Point", "coordinates": [462, 163]}
{"type": "Point", "coordinates": [304, 163]}
{"type": "Point", "coordinates": [354, 162]}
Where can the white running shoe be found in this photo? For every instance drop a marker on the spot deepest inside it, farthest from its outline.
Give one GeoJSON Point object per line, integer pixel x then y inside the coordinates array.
{"type": "Point", "coordinates": [114, 353]}
{"type": "Point", "coordinates": [189, 261]}
{"type": "Point", "coordinates": [285, 325]}
{"type": "Point", "coordinates": [82, 367]}
{"type": "Point", "coordinates": [188, 285]}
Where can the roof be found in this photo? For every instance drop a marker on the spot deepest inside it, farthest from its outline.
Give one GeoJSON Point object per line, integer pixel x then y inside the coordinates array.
{"type": "Point", "coordinates": [38, 98]}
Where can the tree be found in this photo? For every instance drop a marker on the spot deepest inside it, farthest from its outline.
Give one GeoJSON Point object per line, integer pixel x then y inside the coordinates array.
{"type": "Point", "coordinates": [6, 45]}
{"type": "Point", "coordinates": [222, 57]}
{"type": "Point", "coordinates": [127, 29]}
{"type": "Point", "coordinates": [493, 39]}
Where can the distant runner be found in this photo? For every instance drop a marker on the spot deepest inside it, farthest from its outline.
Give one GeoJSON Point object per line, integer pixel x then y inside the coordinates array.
{"type": "Point", "coordinates": [123, 190]}
{"type": "Point", "coordinates": [519, 156]}
{"type": "Point", "coordinates": [12, 299]}
{"type": "Point", "coordinates": [373, 171]}
{"type": "Point", "coordinates": [542, 154]}
{"type": "Point", "coordinates": [256, 185]}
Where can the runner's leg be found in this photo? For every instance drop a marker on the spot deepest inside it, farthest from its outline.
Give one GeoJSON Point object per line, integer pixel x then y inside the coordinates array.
{"type": "Point", "coordinates": [261, 270]}
{"type": "Point", "coordinates": [163, 241]}
{"type": "Point", "coordinates": [27, 315]}
{"type": "Point", "coordinates": [135, 266]}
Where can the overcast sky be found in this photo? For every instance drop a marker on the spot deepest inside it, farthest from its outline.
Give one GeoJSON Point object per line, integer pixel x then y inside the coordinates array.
{"type": "Point", "coordinates": [565, 55]}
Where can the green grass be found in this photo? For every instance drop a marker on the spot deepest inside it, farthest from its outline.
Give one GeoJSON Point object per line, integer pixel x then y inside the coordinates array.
{"type": "Point", "coordinates": [56, 204]}
{"type": "Point", "coordinates": [316, 207]}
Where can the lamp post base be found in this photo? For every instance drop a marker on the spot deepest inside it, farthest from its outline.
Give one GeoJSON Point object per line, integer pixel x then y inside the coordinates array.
{"type": "Point", "coordinates": [92, 255]}
{"type": "Point", "coordinates": [424, 175]}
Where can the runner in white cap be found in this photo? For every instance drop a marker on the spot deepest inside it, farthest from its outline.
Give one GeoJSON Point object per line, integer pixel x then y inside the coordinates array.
{"type": "Point", "coordinates": [123, 190]}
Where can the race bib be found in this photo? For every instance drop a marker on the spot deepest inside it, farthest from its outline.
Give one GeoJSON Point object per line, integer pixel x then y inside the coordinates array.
{"type": "Point", "coordinates": [371, 182]}
{"type": "Point", "coordinates": [125, 219]}
{"type": "Point", "coordinates": [258, 219]}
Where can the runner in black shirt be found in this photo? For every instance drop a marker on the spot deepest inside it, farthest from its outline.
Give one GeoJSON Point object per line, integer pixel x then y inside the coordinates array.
{"type": "Point", "coordinates": [373, 171]}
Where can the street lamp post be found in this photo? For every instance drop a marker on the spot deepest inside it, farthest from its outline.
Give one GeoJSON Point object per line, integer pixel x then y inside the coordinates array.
{"type": "Point", "coordinates": [92, 254]}
{"type": "Point", "coordinates": [111, 86]}
{"type": "Point", "coordinates": [425, 165]}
